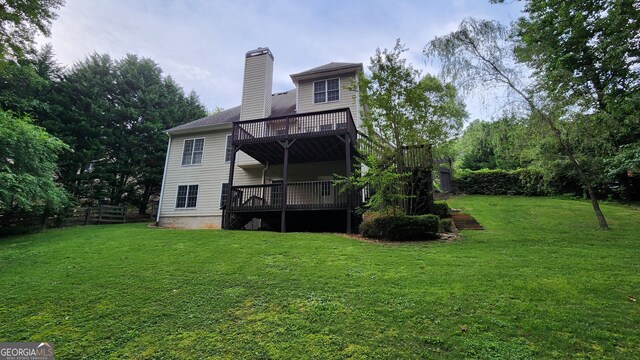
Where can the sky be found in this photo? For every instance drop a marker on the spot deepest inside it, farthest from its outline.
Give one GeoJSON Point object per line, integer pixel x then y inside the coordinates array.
{"type": "Point", "coordinates": [202, 43]}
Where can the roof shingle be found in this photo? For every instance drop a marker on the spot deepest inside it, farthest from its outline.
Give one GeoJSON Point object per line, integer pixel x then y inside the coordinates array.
{"type": "Point", "coordinates": [332, 66]}
{"type": "Point", "coordinates": [282, 104]}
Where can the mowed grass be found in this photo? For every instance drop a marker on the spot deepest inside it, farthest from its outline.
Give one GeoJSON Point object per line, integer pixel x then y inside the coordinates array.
{"type": "Point", "coordinates": [540, 282]}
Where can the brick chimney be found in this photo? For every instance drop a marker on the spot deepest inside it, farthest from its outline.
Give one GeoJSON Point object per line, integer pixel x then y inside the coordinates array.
{"type": "Point", "coordinates": [256, 87]}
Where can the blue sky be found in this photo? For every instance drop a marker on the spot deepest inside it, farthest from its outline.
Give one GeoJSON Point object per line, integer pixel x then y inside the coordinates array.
{"type": "Point", "coordinates": [201, 43]}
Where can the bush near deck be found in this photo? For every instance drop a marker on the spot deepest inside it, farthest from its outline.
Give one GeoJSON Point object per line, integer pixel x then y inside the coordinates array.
{"type": "Point", "coordinates": [401, 227]}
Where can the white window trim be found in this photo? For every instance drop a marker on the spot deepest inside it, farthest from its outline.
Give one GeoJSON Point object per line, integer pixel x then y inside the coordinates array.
{"type": "Point", "coordinates": [175, 202]}
{"type": "Point", "coordinates": [326, 90]}
{"type": "Point", "coordinates": [184, 143]}
{"type": "Point", "coordinates": [226, 148]}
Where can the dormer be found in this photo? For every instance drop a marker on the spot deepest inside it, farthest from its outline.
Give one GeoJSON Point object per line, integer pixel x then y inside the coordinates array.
{"type": "Point", "coordinates": [328, 87]}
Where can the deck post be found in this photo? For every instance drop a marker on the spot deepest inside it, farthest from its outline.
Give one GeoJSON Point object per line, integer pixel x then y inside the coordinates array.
{"type": "Point", "coordinates": [285, 181]}
{"type": "Point", "coordinates": [347, 151]}
{"type": "Point", "coordinates": [232, 164]}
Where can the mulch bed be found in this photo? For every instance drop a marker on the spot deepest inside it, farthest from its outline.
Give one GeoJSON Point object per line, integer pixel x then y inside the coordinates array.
{"type": "Point", "coordinates": [466, 222]}
{"type": "Point", "coordinates": [443, 237]}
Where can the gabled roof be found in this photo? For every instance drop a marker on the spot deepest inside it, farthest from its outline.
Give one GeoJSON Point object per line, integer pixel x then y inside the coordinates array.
{"type": "Point", "coordinates": [329, 69]}
{"type": "Point", "coordinates": [282, 104]}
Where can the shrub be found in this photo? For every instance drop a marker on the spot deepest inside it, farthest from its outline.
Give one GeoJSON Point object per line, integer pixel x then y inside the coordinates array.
{"type": "Point", "coordinates": [501, 182]}
{"type": "Point", "coordinates": [446, 225]}
{"type": "Point", "coordinates": [401, 227]}
{"type": "Point", "coordinates": [440, 209]}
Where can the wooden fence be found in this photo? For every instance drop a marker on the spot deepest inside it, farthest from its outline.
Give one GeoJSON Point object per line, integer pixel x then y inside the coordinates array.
{"type": "Point", "coordinates": [101, 214]}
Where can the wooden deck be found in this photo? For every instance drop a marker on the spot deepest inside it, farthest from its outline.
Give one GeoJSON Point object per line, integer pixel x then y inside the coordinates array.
{"type": "Point", "coordinates": [313, 137]}
{"type": "Point", "coordinates": [307, 125]}
{"type": "Point", "coordinates": [308, 195]}
{"type": "Point", "coordinates": [300, 138]}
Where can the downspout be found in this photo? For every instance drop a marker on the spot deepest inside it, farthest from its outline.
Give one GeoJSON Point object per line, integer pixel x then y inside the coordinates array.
{"type": "Point", "coordinates": [264, 173]}
{"type": "Point", "coordinates": [164, 179]}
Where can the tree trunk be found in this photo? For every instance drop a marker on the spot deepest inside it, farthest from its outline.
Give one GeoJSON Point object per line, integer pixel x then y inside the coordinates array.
{"type": "Point", "coordinates": [583, 177]}
{"type": "Point", "coordinates": [596, 208]}
{"type": "Point", "coordinates": [567, 150]}
{"type": "Point", "coordinates": [142, 208]}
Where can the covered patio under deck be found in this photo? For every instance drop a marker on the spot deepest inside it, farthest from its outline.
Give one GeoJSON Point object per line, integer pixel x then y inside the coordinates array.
{"type": "Point", "coordinates": [297, 139]}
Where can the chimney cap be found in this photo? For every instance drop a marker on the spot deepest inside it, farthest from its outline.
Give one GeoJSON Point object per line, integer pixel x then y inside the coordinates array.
{"type": "Point", "coordinates": [259, 51]}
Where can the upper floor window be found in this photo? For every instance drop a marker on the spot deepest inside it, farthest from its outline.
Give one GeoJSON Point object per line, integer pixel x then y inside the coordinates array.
{"type": "Point", "coordinates": [192, 151]}
{"type": "Point", "coordinates": [228, 150]}
{"type": "Point", "coordinates": [326, 91]}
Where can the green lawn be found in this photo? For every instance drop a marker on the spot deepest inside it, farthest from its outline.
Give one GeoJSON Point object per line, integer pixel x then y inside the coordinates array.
{"type": "Point", "coordinates": [540, 281]}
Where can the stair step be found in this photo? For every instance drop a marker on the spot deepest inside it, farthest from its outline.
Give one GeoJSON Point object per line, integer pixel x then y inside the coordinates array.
{"type": "Point", "coordinates": [466, 222]}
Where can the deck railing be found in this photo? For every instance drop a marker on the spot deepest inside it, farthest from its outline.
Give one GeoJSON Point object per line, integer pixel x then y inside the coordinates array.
{"type": "Point", "coordinates": [308, 195]}
{"type": "Point", "coordinates": [313, 124]}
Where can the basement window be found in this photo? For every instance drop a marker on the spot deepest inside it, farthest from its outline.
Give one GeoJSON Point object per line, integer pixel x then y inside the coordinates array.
{"type": "Point", "coordinates": [187, 197]}
{"type": "Point", "coordinates": [326, 91]}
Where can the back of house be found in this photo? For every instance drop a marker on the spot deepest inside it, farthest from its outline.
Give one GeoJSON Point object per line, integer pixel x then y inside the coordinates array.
{"type": "Point", "coordinates": [269, 162]}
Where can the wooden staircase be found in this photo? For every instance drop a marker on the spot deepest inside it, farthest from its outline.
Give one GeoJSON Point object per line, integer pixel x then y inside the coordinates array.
{"type": "Point", "coordinates": [466, 222]}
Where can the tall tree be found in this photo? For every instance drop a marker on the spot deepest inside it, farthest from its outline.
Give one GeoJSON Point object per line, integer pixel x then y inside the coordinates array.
{"type": "Point", "coordinates": [587, 51]}
{"type": "Point", "coordinates": [28, 157]}
{"type": "Point", "coordinates": [505, 143]}
{"type": "Point", "coordinates": [114, 116]}
{"type": "Point", "coordinates": [84, 108]}
{"type": "Point", "coordinates": [481, 53]}
{"type": "Point", "coordinates": [20, 21]}
{"type": "Point", "coordinates": [404, 107]}
{"type": "Point", "coordinates": [26, 82]}
{"type": "Point", "coordinates": [407, 109]}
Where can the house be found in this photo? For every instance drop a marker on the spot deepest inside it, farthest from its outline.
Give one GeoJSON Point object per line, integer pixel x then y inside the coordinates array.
{"type": "Point", "coordinates": [269, 162]}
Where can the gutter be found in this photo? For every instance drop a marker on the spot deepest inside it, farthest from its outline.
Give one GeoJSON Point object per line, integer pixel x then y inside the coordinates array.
{"type": "Point", "coordinates": [199, 129]}
{"type": "Point", "coordinates": [164, 179]}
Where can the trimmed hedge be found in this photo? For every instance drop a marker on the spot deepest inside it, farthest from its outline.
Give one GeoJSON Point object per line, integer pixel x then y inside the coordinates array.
{"type": "Point", "coordinates": [401, 227]}
{"type": "Point", "coordinates": [500, 182]}
{"type": "Point", "coordinates": [440, 209]}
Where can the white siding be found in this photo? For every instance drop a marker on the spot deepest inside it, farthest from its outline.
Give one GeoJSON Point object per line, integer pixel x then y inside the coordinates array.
{"type": "Point", "coordinates": [308, 171]}
{"type": "Point", "coordinates": [347, 97]}
{"type": "Point", "coordinates": [213, 171]}
{"type": "Point", "coordinates": [256, 89]}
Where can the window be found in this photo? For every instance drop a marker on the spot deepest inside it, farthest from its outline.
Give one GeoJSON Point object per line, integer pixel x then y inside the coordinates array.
{"type": "Point", "coordinates": [192, 152]}
{"type": "Point", "coordinates": [326, 91]}
{"type": "Point", "coordinates": [333, 90]}
{"type": "Point", "coordinates": [187, 196]}
{"type": "Point", "coordinates": [228, 152]}
{"type": "Point", "coordinates": [224, 193]}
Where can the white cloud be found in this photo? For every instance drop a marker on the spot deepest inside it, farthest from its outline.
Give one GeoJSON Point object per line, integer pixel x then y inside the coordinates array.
{"type": "Point", "coordinates": [201, 43]}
